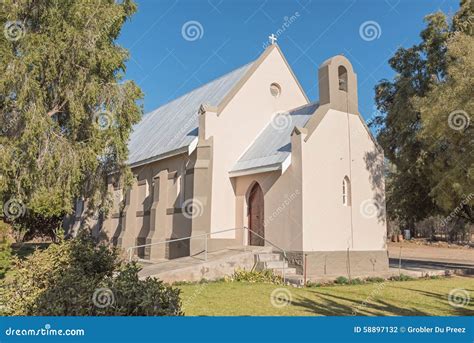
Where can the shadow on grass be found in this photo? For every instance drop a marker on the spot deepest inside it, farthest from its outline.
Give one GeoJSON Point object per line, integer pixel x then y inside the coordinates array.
{"type": "Point", "coordinates": [461, 310]}
{"type": "Point", "coordinates": [330, 305]}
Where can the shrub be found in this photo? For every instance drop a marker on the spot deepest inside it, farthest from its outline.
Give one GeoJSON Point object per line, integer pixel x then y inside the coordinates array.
{"type": "Point", "coordinates": [265, 276]}
{"type": "Point", "coordinates": [341, 280]}
{"type": "Point", "coordinates": [78, 277]}
{"type": "Point", "coordinates": [356, 281]}
{"type": "Point", "coordinates": [311, 284]}
{"type": "Point", "coordinates": [5, 249]}
{"type": "Point", "coordinates": [402, 277]}
{"type": "Point", "coordinates": [374, 279]}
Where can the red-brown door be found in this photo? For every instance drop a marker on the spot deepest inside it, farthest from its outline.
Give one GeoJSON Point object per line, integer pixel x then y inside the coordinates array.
{"type": "Point", "coordinates": [256, 219]}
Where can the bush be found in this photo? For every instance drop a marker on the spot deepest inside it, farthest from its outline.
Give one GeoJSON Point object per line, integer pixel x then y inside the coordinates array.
{"type": "Point", "coordinates": [356, 281]}
{"type": "Point", "coordinates": [402, 277]}
{"type": "Point", "coordinates": [374, 279]}
{"type": "Point", "coordinates": [5, 249]}
{"type": "Point", "coordinates": [78, 277]}
{"type": "Point", "coordinates": [341, 280]}
{"type": "Point", "coordinates": [312, 284]}
{"type": "Point", "coordinates": [265, 276]}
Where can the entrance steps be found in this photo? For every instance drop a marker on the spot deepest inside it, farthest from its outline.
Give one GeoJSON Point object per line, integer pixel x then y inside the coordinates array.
{"type": "Point", "coordinates": [219, 264]}
{"type": "Point", "coordinates": [275, 262]}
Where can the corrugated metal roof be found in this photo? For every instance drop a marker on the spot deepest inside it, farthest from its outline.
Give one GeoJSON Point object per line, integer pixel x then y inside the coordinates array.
{"type": "Point", "coordinates": [172, 127]}
{"type": "Point", "coordinates": [273, 145]}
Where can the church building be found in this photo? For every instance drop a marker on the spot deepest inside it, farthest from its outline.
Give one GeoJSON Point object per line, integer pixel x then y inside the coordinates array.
{"type": "Point", "coordinates": [249, 160]}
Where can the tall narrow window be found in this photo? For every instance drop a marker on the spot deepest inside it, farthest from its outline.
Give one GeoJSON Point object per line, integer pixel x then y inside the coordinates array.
{"type": "Point", "coordinates": [346, 191]}
{"type": "Point", "coordinates": [180, 187]}
{"type": "Point", "coordinates": [342, 74]}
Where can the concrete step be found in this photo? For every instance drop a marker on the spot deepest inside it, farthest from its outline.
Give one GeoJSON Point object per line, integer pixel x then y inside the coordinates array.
{"type": "Point", "coordinates": [294, 280]}
{"type": "Point", "coordinates": [288, 271]}
{"type": "Point", "coordinates": [275, 264]}
{"type": "Point", "coordinates": [268, 257]}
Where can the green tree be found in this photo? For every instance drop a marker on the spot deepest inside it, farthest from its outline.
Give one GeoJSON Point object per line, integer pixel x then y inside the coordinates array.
{"type": "Point", "coordinates": [5, 249]}
{"type": "Point", "coordinates": [412, 178]}
{"type": "Point", "coordinates": [78, 277]}
{"type": "Point", "coordinates": [446, 111]}
{"type": "Point", "coordinates": [65, 114]}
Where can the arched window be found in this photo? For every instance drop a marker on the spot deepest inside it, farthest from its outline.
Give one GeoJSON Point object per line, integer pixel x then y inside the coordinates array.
{"type": "Point", "coordinates": [346, 191]}
{"type": "Point", "coordinates": [342, 74]}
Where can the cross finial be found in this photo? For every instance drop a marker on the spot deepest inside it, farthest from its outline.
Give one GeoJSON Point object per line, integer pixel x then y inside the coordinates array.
{"type": "Point", "coordinates": [272, 38]}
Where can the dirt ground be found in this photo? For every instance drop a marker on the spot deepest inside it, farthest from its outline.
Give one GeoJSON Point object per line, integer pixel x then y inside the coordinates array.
{"type": "Point", "coordinates": [415, 251]}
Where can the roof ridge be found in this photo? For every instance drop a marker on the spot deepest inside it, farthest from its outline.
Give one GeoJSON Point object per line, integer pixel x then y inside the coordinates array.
{"type": "Point", "coordinates": [201, 86]}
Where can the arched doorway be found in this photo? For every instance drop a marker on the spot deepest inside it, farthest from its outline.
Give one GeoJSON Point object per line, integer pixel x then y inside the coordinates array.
{"type": "Point", "coordinates": [256, 216]}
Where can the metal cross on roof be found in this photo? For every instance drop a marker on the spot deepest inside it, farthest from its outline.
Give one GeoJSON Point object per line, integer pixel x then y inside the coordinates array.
{"type": "Point", "coordinates": [272, 38]}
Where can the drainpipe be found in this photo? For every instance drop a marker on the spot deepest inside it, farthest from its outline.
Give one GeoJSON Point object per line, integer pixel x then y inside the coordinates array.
{"type": "Point", "coordinates": [350, 165]}
{"type": "Point", "coordinates": [304, 270]}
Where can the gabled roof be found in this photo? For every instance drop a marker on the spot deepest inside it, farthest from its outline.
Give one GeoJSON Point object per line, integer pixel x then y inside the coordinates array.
{"type": "Point", "coordinates": [172, 127]}
{"type": "Point", "coordinates": [273, 146]}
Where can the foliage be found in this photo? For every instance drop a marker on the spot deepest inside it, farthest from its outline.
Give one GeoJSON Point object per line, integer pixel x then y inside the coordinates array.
{"type": "Point", "coordinates": [252, 276]}
{"type": "Point", "coordinates": [200, 282]}
{"type": "Point", "coordinates": [356, 281]}
{"type": "Point", "coordinates": [341, 280]}
{"type": "Point", "coordinates": [406, 130]}
{"type": "Point", "coordinates": [402, 277]}
{"type": "Point", "coordinates": [446, 129]}
{"type": "Point", "coordinates": [311, 284]}
{"type": "Point", "coordinates": [374, 279]}
{"type": "Point", "coordinates": [79, 277]}
{"type": "Point", "coordinates": [65, 115]}
{"type": "Point", "coordinates": [5, 248]}
{"type": "Point", "coordinates": [439, 228]}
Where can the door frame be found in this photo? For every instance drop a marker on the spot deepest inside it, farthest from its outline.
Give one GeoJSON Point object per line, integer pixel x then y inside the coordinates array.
{"type": "Point", "coordinates": [253, 188]}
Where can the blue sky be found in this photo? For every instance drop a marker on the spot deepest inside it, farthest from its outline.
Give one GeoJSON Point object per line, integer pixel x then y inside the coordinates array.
{"type": "Point", "coordinates": [166, 63]}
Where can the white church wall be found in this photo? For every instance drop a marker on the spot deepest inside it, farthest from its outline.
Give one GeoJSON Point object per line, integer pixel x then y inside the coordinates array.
{"type": "Point", "coordinates": [326, 161]}
{"type": "Point", "coordinates": [237, 126]}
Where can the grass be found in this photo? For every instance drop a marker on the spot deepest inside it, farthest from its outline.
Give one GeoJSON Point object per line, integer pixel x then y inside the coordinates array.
{"type": "Point", "coordinates": [422, 297]}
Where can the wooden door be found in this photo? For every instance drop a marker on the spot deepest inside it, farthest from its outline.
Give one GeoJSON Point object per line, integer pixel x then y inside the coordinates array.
{"type": "Point", "coordinates": [256, 218]}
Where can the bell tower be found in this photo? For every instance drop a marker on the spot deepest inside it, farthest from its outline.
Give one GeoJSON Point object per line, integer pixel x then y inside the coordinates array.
{"type": "Point", "coordinates": [338, 85]}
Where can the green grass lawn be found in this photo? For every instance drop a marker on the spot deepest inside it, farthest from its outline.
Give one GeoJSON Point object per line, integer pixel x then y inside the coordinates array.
{"type": "Point", "coordinates": [423, 297]}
